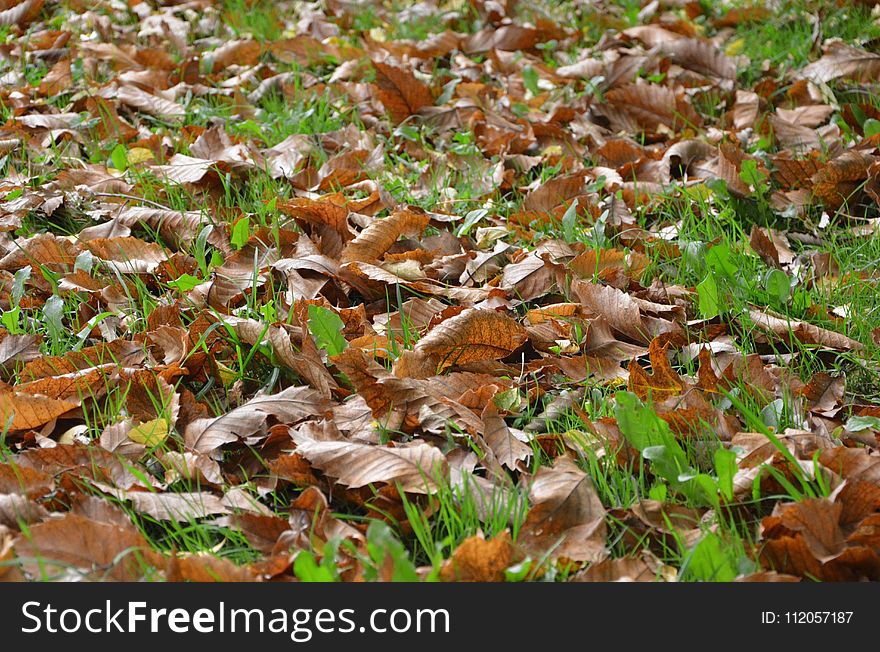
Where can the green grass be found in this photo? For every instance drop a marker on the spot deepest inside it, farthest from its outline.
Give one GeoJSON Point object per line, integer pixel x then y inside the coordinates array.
{"type": "Point", "coordinates": [789, 40]}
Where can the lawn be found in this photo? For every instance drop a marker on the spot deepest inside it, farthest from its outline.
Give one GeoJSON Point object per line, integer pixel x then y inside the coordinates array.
{"type": "Point", "coordinates": [439, 291]}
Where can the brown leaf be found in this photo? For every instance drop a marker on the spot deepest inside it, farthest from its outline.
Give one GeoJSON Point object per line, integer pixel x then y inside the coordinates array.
{"type": "Point", "coordinates": [306, 363]}
{"type": "Point", "coordinates": [261, 531]}
{"type": "Point", "coordinates": [771, 246]}
{"type": "Point", "coordinates": [20, 411]}
{"type": "Point", "coordinates": [149, 103]}
{"type": "Point", "coordinates": [624, 569]}
{"type": "Point", "coordinates": [407, 402]}
{"type": "Point", "coordinates": [824, 393]}
{"type": "Point", "coordinates": [184, 169]}
{"type": "Point", "coordinates": [20, 13]}
{"type": "Point", "coordinates": [567, 519]}
{"type": "Point", "coordinates": [400, 92]}
{"type": "Point", "coordinates": [652, 105]}
{"type": "Point", "coordinates": [30, 482]}
{"type": "Point", "coordinates": [805, 539]}
{"type": "Point", "coordinates": [58, 254]}
{"type": "Point", "coordinates": [803, 332]}
{"type": "Point", "coordinates": [238, 52]}
{"type": "Point", "coordinates": [478, 560]}
{"type": "Point", "coordinates": [128, 255]}
{"type": "Point", "coordinates": [663, 381]}
{"type": "Point", "coordinates": [17, 511]}
{"type": "Point", "coordinates": [508, 450]}
{"type": "Point", "coordinates": [249, 420]}
{"type": "Point", "coordinates": [842, 60]}
{"type": "Point", "coordinates": [839, 179]}
{"type": "Point", "coordinates": [18, 348]}
{"type": "Point", "coordinates": [205, 567]}
{"type": "Point", "coordinates": [87, 461]}
{"type": "Point", "coordinates": [173, 226]}
{"type": "Point", "coordinates": [745, 109]}
{"type": "Point", "coordinates": [355, 465]}
{"type": "Point", "coordinates": [312, 524]}
{"type": "Point", "coordinates": [376, 239]}
{"type": "Point", "coordinates": [58, 79]}
{"type": "Point", "coordinates": [469, 336]}
{"type": "Point", "coordinates": [100, 549]}
{"type": "Point", "coordinates": [605, 262]}
{"type": "Point", "coordinates": [554, 192]}
{"type": "Point", "coordinates": [183, 507]}
{"type": "Point", "coordinates": [700, 56]}
{"type": "Point", "coordinates": [618, 308]}
{"type": "Point", "coordinates": [293, 468]}
{"type": "Point", "coordinates": [123, 353]}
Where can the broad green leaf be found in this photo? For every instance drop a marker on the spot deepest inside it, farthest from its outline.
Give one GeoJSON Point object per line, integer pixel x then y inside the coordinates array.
{"type": "Point", "coordinates": [750, 174]}
{"type": "Point", "coordinates": [778, 285]}
{"type": "Point", "coordinates": [53, 312]}
{"type": "Point", "coordinates": [871, 127]}
{"type": "Point", "coordinates": [307, 569]}
{"type": "Point", "coordinates": [185, 282]}
{"type": "Point", "coordinates": [21, 277]}
{"type": "Point", "coordinates": [857, 424]}
{"type": "Point", "coordinates": [241, 232]}
{"type": "Point", "coordinates": [119, 158]}
{"type": "Point", "coordinates": [327, 328]}
{"type": "Point", "coordinates": [707, 297]}
{"type": "Point", "coordinates": [470, 220]}
{"type": "Point", "coordinates": [710, 561]}
{"type": "Point", "coordinates": [530, 79]}
{"type": "Point", "coordinates": [386, 549]}
{"type": "Point", "coordinates": [569, 221]}
{"type": "Point", "coordinates": [725, 469]}
{"type": "Point", "coordinates": [720, 260]}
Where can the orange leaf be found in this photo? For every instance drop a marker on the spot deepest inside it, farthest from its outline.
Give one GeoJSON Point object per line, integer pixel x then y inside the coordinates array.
{"type": "Point", "coordinates": [400, 92]}
{"type": "Point", "coordinates": [662, 383]}
{"type": "Point", "coordinates": [469, 336]}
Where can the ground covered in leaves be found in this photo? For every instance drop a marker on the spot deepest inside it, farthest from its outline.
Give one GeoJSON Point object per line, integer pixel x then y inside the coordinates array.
{"type": "Point", "coordinates": [356, 290]}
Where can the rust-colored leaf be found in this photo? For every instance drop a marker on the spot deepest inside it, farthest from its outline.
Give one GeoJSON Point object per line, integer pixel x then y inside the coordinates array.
{"type": "Point", "coordinates": [354, 465]}
{"type": "Point", "coordinates": [567, 519]}
{"type": "Point", "coordinates": [377, 238]}
{"type": "Point", "coordinates": [102, 550]}
{"type": "Point", "coordinates": [469, 336]}
{"type": "Point", "coordinates": [663, 381]}
{"type": "Point", "coordinates": [400, 92]}
{"type": "Point", "coordinates": [478, 560]}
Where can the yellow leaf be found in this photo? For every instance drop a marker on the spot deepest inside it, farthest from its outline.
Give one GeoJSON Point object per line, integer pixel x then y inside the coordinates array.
{"type": "Point", "coordinates": [150, 433]}
{"type": "Point", "coordinates": [139, 155]}
{"type": "Point", "coordinates": [227, 375]}
{"type": "Point", "coordinates": [735, 47]}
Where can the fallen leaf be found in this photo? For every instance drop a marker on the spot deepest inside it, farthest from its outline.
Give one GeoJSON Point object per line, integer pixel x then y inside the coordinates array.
{"type": "Point", "coordinates": [478, 560]}
{"type": "Point", "coordinates": [469, 336]}
{"type": "Point", "coordinates": [412, 467]}
{"type": "Point", "coordinates": [567, 519]}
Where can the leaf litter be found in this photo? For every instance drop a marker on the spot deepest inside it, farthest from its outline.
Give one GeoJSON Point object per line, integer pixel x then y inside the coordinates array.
{"type": "Point", "coordinates": [507, 293]}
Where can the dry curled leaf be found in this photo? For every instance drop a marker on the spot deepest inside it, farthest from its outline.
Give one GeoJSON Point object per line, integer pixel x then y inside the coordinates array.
{"type": "Point", "coordinates": [842, 60]}
{"type": "Point", "coordinates": [478, 560]}
{"type": "Point", "coordinates": [249, 420]}
{"type": "Point", "coordinates": [663, 380]}
{"type": "Point", "coordinates": [470, 336]}
{"type": "Point", "coordinates": [413, 467]}
{"type": "Point", "coordinates": [377, 238]}
{"type": "Point", "coordinates": [400, 92]}
{"type": "Point", "coordinates": [566, 519]}
{"type": "Point", "coordinates": [102, 550]}
{"type": "Point", "coordinates": [803, 332]}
